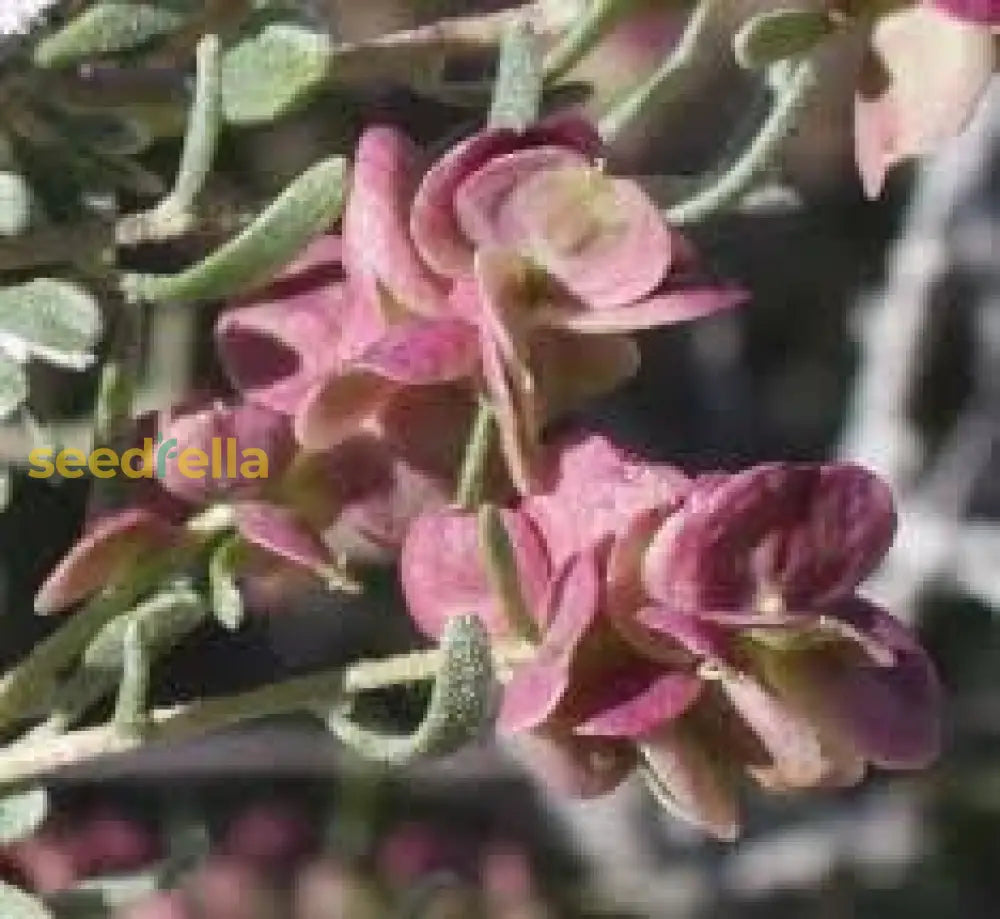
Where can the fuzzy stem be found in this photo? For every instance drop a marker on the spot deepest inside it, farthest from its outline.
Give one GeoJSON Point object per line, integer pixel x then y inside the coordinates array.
{"type": "Point", "coordinates": [470, 482]}
{"type": "Point", "coordinates": [668, 79]}
{"type": "Point", "coordinates": [600, 17]}
{"type": "Point", "coordinates": [174, 215]}
{"type": "Point", "coordinates": [27, 761]}
{"type": "Point", "coordinates": [728, 188]}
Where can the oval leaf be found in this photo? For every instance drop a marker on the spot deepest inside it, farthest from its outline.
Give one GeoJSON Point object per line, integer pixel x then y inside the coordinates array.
{"type": "Point", "coordinates": [22, 814]}
{"type": "Point", "coordinates": [15, 204]}
{"type": "Point", "coordinates": [54, 321]}
{"type": "Point", "coordinates": [13, 386]}
{"type": "Point", "coordinates": [227, 603]}
{"type": "Point", "coordinates": [780, 34]}
{"type": "Point", "coordinates": [302, 211]}
{"type": "Point", "coordinates": [16, 904]}
{"type": "Point", "coordinates": [272, 73]}
{"type": "Point", "coordinates": [106, 28]}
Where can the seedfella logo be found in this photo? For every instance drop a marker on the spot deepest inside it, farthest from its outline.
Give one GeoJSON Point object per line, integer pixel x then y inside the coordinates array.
{"type": "Point", "coordinates": [223, 461]}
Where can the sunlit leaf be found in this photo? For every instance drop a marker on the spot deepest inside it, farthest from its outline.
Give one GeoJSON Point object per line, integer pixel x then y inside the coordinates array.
{"type": "Point", "coordinates": [16, 904]}
{"type": "Point", "coordinates": [106, 28]}
{"type": "Point", "coordinates": [22, 814]}
{"type": "Point", "coordinates": [307, 207]}
{"type": "Point", "coordinates": [51, 320]}
{"type": "Point", "coordinates": [15, 204]}
{"type": "Point", "coordinates": [13, 386]}
{"type": "Point", "coordinates": [270, 74]}
{"type": "Point", "coordinates": [777, 35]}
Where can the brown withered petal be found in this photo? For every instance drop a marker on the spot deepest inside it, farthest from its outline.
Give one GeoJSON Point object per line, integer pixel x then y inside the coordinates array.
{"type": "Point", "coordinates": [688, 780]}
{"type": "Point", "coordinates": [889, 715]}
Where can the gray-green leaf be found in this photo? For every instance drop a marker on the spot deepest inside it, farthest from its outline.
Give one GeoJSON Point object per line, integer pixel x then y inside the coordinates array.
{"type": "Point", "coordinates": [517, 94]}
{"type": "Point", "coordinates": [13, 386]}
{"type": "Point", "coordinates": [22, 814]}
{"type": "Point", "coordinates": [270, 74]}
{"type": "Point", "coordinates": [106, 28]}
{"type": "Point", "coordinates": [54, 321]}
{"type": "Point", "coordinates": [777, 35]}
{"type": "Point", "coordinates": [303, 210]}
{"type": "Point", "coordinates": [460, 703]}
{"type": "Point", "coordinates": [16, 201]}
{"type": "Point", "coordinates": [227, 603]}
{"type": "Point", "coordinates": [16, 904]}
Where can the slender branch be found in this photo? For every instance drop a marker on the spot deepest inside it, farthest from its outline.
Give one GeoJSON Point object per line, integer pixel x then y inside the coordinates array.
{"type": "Point", "coordinates": [600, 17]}
{"type": "Point", "coordinates": [666, 82]}
{"type": "Point", "coordinates": [174, 215]}
{"type": "Point", "coordinates": [27, 761]}
{"type": "Point", "coordinates": [729, 188]}
{"type": "Point", "coordinates": [36, 675]}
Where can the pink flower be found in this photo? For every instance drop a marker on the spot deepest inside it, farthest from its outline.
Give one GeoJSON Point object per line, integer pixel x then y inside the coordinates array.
{"type": "Point", "coordinates": [277, 538]}
{"type": "Point", "coordinates": [514, 263]}
{"type": "Point", "coordinates": [985, 12]}
{"type": "Point", "coordinates": [924, 70]}
{"type": "Point", "coordinates": [758, 575]}
{"type": "Point", "coordinates": [696, 630]}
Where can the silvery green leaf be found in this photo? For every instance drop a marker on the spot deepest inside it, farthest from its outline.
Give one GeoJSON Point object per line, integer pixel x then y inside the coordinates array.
{"type": "Point", "coordinates": [51, 320]}
{"type": "Point", "coordinates": [21, 814]}
{"type": "Point", "coordinates": [133, 691]}
{"type": "Point", "coordinates": [13, 386]}
{"type": "Point", "coordinates": [517, 93]}
{"type": "Point", "coordinates": [18, 16]}
{"type": "Point", "coordinates": [16, 904]}
{"type": "Point", "coordinates": [227, 603]}
{"type": "Point", "coordinates": [460, 702]}
{"type": "Point", "coordinates": [306, 208]}
{"type": "Point", "coordinates": [16, 202]}
{"type": "Point", "coordinates": [106, 28]}
{"type": "Point", "coordinates": [267, 75]}
{"type": "Point", "coordinates": [166, 618]}
{"type": "Point", "coordinates": [777, 35]}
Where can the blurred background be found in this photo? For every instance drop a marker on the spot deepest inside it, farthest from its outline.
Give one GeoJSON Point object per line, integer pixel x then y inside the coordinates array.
{"type": "Point", "coordinates": [874, 335]}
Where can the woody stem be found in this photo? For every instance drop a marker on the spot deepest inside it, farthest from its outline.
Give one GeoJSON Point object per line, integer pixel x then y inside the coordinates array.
{"type": "Point", "coordinates": [27, 761]}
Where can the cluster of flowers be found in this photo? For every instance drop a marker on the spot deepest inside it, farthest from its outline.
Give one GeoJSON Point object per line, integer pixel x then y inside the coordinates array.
{"type": "Point", "coordinates": [695, 630]}
{"type": "Point", "coordinates": [516, 266]}
{"type": "Point", "coordinates": [266, 863]}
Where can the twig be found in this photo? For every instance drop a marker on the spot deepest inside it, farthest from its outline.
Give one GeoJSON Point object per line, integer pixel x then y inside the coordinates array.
{"type": "Point", "coordinates": [26, 761]}
{"type": "Point", "coordinates": [667, 81]}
